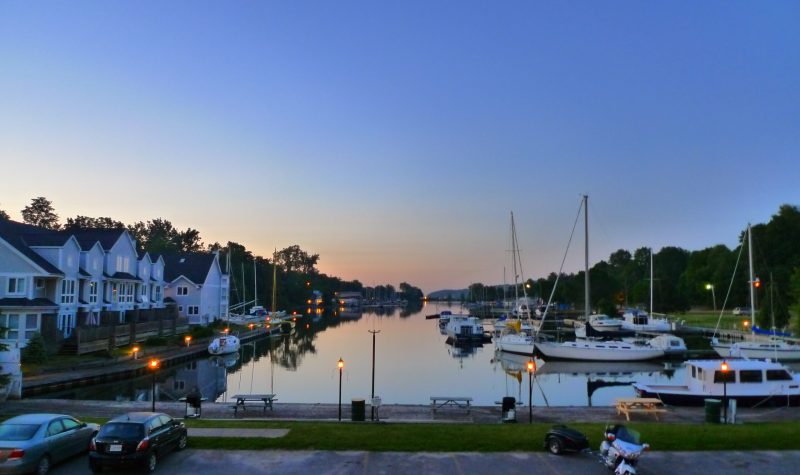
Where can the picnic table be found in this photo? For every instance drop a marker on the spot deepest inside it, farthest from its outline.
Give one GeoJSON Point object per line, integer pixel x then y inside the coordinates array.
{"type": "Point", "coordinates": [437, 402]}
{"type": "Point", "coordinates": [644, 405]}
{"type": "Point", "coordinates": [243, 400]}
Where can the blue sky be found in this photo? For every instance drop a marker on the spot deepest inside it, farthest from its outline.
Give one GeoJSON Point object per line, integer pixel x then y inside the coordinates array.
{"type": "Point", "coordinates": [393, 138]}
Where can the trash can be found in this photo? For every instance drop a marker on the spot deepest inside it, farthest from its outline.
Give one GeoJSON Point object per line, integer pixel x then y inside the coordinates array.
{"type": "Point", "coordinates": [713, 410]}
{"type": "Point", "coordinates": [357, 410]}
{"type": "Point", "coordinates": [509, 409]}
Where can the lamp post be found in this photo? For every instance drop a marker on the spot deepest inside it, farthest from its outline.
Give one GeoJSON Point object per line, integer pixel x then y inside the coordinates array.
{"type": "Point", "coordinates": [340, 364]}
{"type": "Point", "coordinates": [724, 368]}
{"type": "Point", "coordinates": [135, 351]}
{"type": "Point", "coordinates": [153, 365]}
{"type": "Point", "coordinates": [372, 406]}
{"type": "Point", "coordinates": [187, 339]}
{"type": "Point", "coordinates": [713, 295]}
{"type": "Point", "coordinates": [531, 370]}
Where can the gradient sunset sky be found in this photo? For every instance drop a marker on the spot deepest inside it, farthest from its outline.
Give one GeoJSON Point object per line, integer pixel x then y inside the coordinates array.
{"type": "Point", "coordinates": [394, 138]}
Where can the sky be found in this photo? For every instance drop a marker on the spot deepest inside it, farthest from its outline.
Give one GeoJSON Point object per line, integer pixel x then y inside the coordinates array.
{"type": "Point", "coordinates": [394, 138]}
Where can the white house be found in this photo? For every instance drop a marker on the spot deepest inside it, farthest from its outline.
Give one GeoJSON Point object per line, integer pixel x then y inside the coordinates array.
{"type": "Point", "coordinates": [198, 286]}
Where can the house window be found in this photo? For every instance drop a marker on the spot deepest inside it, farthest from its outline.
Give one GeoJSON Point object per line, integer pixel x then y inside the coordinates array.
{"type": "Point", "coordinates": [123, 264]}
{"type": "Point", "coordinates": [31, 325]}
{"type": "Point", "coordinates": [180, 308]}
{"type": "Point", "coordinates": [157, 294]}
{"type": "Point", "coordinates": [192, 310]}
{"type": "Point", "coordinates": [67, 291]}
{"type": "Point", "coordinates": [144, 290]}
{"type": "Point", "coordinates": [69, 261]}
{"type": "Point", "coordinates": [39, 284]}
{"type": "Point", "coordinates": [178, 385]}
{"type": "Point", "coordinates": [182, 290]}
{"type": "Point", "coordinates": [114, 293]}
{"type": "Point", "coordinates": [11, 324]}
{"type": "Point", "coordinates": [125, 293]}
{"type": "Point", "coordinates": [16, 285]}
{"type": "Point", "coordinates": [92, 292]}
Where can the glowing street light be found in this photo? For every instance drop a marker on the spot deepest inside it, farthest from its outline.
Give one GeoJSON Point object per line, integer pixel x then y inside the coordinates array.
{"type": "Point", "coordinates": [187, 339]}
{"type": "Point", "coordinates": [724, 368]}
{"type": "Point", "coordinates": [340, 364]}
{"type": "Point", "coordinates": [713, 296]}
{"type": "Point", "coordinates": [135, 351]}
{"type": "Point", "coordinates": [531, 369]}
{"type": "Point", "coordinates": [153, 366]}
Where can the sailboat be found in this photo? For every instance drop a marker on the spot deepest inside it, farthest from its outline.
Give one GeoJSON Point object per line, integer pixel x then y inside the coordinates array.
{"type": "Point", "coordinates": [513, 339]}
{"type": "Point", "coordinates": [593, 350]}
{"type": "Point", "coordinates": [639, 320]}
{"type": "Point", "coordinates": [773, 348]}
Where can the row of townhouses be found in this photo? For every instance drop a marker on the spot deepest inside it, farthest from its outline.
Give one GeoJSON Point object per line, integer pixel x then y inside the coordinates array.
{"type": "Point", "coordinates": [63, 280]}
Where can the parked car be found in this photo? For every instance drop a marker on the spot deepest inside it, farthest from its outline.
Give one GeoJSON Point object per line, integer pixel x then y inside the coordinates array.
{"type": "Point", "coordinates": [35, 442]}
{"type": "Point", "coordinates": [560, 439]}
{"type": "Point", "coordinates": [741, 311]}
{"type": "Point", "coordinates": [136, 439]}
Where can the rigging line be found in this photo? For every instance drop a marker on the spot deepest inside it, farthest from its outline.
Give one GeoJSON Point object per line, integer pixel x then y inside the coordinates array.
{"type": "Point", "coordinates": [728, 293]}
{"type": "Point", "coordinates": [560, 270]}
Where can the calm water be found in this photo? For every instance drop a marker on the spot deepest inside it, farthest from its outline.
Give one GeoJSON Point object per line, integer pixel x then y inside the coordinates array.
{"type": "Point", "coordinates": [413, 362]}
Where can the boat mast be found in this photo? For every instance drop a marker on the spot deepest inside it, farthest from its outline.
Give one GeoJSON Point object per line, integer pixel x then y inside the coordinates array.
{"type": "Point", "coordinates": [651, 281]}
{"type": "Point", "coordinates": [514, 259]}
{"type": "Point", "coordinates": [244, 292]}
{"type": "Point", "coordinates": [255, 284]}
{"type": "Point", "coordinates": [274, 280]}
{"type": "Point", "coordinates": [751, 281]}
{"type": "Point", "coordinates": [586, 257]}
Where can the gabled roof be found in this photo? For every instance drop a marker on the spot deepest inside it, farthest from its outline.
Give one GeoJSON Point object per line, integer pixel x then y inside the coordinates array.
{"type": "Point", "coordinates": [12, 232]}
{"type": "Point", "coordinates": [194, 266]}
{"type": "Point", "coordinates": [88, 237]}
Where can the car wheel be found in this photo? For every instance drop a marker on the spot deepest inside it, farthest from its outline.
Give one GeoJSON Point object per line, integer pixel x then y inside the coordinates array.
{"type": "Point", "coordinates": [555, 446]}
{"type": "Point", "coordinates": [43, 466]}
{"type": "Point", "coordinates": [151, 463]}
{"type": "Point", "coordinates": [182, 442]}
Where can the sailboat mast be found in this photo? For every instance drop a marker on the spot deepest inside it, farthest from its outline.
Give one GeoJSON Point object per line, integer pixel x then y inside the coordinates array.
{"type": "Point", "coordinates": [274, 280]}
{"type": "Point", "coordinates": [651, 281]}
{"type": "Point", "coordinates": [255, 284]}
{"type": "Point", "coordinates": [586, 258]}
{"type": "Point", "coordinates": [751, 281]}
{"type": "Point", "coordinates": [244, 291]}
{"type": "Point", "coordinates": [514, 258]}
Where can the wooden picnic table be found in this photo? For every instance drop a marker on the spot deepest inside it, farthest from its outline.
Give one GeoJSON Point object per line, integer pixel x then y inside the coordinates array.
{"type": "Point", "coordinates": [644, 405]}
{"type": "Point", "coordinates": [242, 401]}
{"type": "Point", "coordinates": [438, 402]}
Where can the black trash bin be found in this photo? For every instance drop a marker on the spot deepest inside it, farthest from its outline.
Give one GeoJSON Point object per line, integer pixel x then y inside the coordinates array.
{"type": "Point", "coordinates": [509, 409]}
{"type": "Point", "coordinates": [358, 410]}
{"type": "Point", "coordinates": [713, 410]}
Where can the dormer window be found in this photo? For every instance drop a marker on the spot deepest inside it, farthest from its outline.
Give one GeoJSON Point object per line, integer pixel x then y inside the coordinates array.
{"type": "Point", "coordinates": [183, 290]}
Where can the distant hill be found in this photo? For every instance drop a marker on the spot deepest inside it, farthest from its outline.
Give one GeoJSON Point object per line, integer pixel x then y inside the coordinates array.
{"type": "Point", "coordinates": [454, 294]}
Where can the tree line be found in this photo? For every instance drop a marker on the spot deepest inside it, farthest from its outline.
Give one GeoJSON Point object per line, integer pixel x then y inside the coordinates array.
{"type": "Point", "coordinates": [684, 279]}
{"type": "Point", "coordinates": [251, 275]}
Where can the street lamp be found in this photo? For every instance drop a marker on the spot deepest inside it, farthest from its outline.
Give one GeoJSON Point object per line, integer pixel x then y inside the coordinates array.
{"type": "Point", "coordinates": [372, 406]}
{"type": "Point", "coordinates": [340, 364]}
{"type": "Point", "coordinates": [187, 339]}
{"type": "Point", "coordinates": [724, 368]}
{"type": "Point", "coordinates": [135, 351]}
{"type": "Point", "coordinates": [153, 366]}
{"type": "Point", "coordinates": [713, 296]}
{"type": "Point", "coordinates": [531, 370]}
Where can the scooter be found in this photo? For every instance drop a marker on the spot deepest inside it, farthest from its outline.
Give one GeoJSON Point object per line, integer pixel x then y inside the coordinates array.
{"type": "Point", "coordinates": [621, 449]}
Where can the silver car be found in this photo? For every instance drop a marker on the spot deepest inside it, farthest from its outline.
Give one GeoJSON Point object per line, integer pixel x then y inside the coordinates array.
{"type": "Point", "coordinates": [34, 442]}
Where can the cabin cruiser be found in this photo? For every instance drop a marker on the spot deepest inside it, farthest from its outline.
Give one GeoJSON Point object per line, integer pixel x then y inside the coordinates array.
{"type": "Point", "coordinates": [599, 323]}
{"type": "Point", "coordinates": [464, 328]}
{"type": "Point", "coordinates": [750, 382]}
{"type": "Point", "coordinates": [641, 321]}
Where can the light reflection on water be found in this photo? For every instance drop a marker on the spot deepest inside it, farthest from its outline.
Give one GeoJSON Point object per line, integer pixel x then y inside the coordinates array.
{"type": "Point", "coordinates": [412, 361]}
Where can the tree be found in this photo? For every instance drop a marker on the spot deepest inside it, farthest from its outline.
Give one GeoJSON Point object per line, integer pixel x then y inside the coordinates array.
{"type": "Point", "coordinates": [36, 350]}
{"type": "Point", "coordinates": [4, 215]}
{"type": "Point", "coordinates": [294, 259]}
{"type": "Point", "coordinates": [84, 222]}
{"type": "Point", "coordinates": [41, 213]}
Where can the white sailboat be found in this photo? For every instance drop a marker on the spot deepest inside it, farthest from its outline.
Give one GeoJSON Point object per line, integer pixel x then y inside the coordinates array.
{"type": "Point", "coordinates": [772, 348]}
{"type": "Point", "coordinates": [224, 344]}
{"type": "Point", "coordinates": [512, 339]}
{"type": "Point", "coordinates": [592, 350]}
{"type": "Point", "coordinates": [641, 321]}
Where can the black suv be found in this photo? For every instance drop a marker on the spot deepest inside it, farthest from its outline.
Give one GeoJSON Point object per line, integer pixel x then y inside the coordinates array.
{"type": "Point", "coordinates": [136, 438]}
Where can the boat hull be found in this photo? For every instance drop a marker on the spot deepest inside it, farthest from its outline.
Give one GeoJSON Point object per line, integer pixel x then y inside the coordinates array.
{"type": "Point", "coordinates": [593, 353]}
{"type": "Point", "coordinates": [687, 399]}
{"type": "Point", "coordinates": [742, 351]}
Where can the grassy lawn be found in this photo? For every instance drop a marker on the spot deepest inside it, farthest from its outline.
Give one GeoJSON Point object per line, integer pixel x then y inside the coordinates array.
{"type": "Point", "coordinates": [709, 320]}
{"type": "Point", "coordinates": [493, 437]}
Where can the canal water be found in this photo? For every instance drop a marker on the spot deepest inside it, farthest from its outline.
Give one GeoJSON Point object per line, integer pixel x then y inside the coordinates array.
{"type": "Point", "coordinates": [413, 362]}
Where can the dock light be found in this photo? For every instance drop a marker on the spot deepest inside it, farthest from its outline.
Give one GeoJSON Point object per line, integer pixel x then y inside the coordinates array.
{"type": "Point", "coordinates": [251, 326]}
{"type": "Point", "coordinates": [187, 339]}
{"type": "Point", "coordinates": [757, 283]}
{"type": "Point", "coordinates": [531, 366]}
{"type": "Point", "coordinates": [226, 330]}
{"type": "Point", "coordinates": [746, 324]}
{"type": "Point", "coordinates": [153, 366]}
{"type": "Point", "coordinates": [340, 365]}
{"type": "Point", "coordinates": [135, 351]}
{"type": "Point", "coordinates": [724, 368]}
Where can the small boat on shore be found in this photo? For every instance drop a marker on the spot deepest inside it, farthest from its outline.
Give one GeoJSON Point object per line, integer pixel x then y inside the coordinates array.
{"type": "Point", "coordinates": [224, 344]}
{"type": "Point", "coordinates": [750, 382]}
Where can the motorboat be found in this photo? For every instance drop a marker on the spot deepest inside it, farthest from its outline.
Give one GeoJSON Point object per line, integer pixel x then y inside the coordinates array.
{"type": "Point", "coordinates": [464, 327]}
{"type": "Point", "coordinates": [224, 344]}
{"type": "Point", "coordinates": [673, 346]}
{"type": "Point", "coordinates": [599, 324]}
{"type": "Point", "coordinates": [640, 321]}
{"type": "Point", "coordinates": [772, 348]}
{"type": "Point", "coordinates": [594, 350]}
{"type": "Point", "coordinates": [749, 382]}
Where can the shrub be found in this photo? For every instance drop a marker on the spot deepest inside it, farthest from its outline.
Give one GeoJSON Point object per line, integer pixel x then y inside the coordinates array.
{"type": "Point", "coordinates": [36, 351]}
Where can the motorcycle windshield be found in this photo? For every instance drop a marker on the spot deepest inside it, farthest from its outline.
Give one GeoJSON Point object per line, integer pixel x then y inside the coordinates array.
{"type": "Point", "coordinates": [628, 435]}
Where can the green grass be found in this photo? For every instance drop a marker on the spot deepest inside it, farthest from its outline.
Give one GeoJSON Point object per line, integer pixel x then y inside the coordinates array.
{"type": "Point", "coordinates": [493, 437]}
{"type": "Point", "coordinates": [709, 320]}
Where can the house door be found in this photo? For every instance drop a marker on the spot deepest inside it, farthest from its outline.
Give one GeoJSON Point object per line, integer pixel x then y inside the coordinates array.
{"type": "Point", "coordinates": [66, 323]}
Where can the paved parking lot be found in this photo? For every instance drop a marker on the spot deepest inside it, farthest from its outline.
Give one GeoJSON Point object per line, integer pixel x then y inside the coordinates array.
{"type": "Point", "coordinates": [276, 462]}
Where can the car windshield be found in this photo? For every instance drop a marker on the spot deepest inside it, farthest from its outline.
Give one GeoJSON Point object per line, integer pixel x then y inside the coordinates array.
{"type": "Point", "coordinates": [122, 430]}
{"type": "Point", "coordinates": [17, 431]}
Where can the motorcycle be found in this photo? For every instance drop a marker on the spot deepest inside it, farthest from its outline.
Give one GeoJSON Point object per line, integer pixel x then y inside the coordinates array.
{"type": "Point", "coordinates": [621, 449]}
